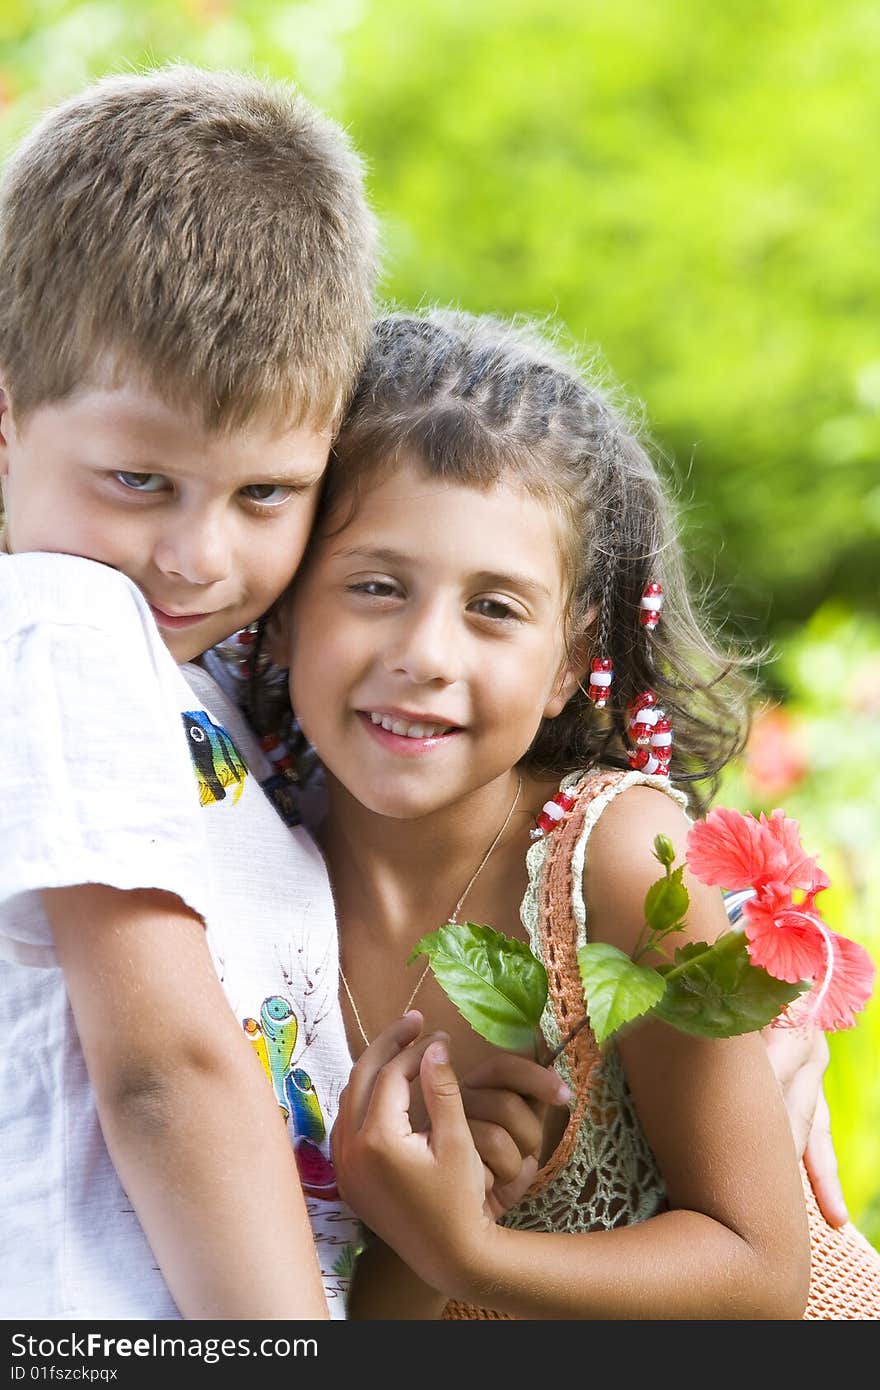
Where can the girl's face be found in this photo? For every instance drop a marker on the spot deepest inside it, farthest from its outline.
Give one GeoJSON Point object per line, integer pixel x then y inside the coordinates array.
{"type": "Point", "coordinates": [427, 640]}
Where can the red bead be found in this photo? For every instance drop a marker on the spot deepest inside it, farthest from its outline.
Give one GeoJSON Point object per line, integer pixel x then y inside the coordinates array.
{"type": "Point", "coordinates": [544, 822]}
{"type": "Point", "coordinates": [643, 701]}
{"type": "Point", "coordinates": [639, 759]}
{"type": "Point", "coordinates": [601, 663]}
{"type": "Point", "coordinates": [564, 800]}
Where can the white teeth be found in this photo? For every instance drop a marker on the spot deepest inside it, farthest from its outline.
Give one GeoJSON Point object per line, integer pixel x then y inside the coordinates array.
{"type": "Point", "coordinates": [400, 727]}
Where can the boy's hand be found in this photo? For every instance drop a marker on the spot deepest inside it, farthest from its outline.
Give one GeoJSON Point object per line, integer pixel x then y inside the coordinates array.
{"type": "Point", "coordinates": [506, 1100]}
{"type": "Point", "coordinates": [423, 1193]}
{"type": "Point", "coordinates": [799, 1060]}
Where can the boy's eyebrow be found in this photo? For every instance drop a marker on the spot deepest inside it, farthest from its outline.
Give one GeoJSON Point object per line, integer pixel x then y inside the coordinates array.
{"type": "Point", "coordinates": [386, 555]}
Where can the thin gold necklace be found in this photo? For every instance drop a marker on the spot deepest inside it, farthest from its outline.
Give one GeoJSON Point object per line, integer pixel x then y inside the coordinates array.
{"type": "Point", "coordinates": [452, 918]}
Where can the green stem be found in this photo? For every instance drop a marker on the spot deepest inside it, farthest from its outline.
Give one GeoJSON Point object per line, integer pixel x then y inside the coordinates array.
{"type": "Point", "coordinates": [572, 1033]}
{"type": "Point", "coordinates": [726, 945]}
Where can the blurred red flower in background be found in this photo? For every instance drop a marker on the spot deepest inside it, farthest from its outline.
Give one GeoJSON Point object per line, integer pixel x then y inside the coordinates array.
{"type": "Point", "coordinates": [775, 759]}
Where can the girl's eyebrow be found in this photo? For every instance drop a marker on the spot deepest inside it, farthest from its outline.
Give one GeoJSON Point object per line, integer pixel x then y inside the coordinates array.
{"type": "Point", "coordinates": [490, 579]}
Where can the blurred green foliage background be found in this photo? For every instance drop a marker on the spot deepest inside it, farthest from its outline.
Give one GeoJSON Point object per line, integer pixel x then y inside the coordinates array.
{"type": "Point", "coordinates": [692, 189]}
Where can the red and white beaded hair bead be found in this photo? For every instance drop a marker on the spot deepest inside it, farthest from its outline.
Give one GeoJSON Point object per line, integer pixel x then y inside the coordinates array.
{"type": "Point", "coordinates": [648, 727]}
{"type": "Point", "coordinates": [552, 812]}
{"type": "Point", "coordinates": [601, 676]}
{"type": "Point", "coordinates": [650, 605]}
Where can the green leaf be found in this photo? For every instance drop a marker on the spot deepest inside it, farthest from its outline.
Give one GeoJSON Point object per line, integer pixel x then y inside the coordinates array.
{"type": "Point", "coordinates": [666, 901]}
{"type": "Point", "coordinates": [715, 991]}
{"type": "Point", "coordinates": [493, 980]}
{"type": "Point", "coordinates": [616, 989]}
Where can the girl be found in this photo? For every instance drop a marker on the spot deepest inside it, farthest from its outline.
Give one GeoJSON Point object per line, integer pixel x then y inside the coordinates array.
{"type": "Point", "coordinates": [497, 535]}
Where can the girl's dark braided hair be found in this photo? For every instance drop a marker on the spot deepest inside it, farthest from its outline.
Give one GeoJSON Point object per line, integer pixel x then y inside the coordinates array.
{"type": "Point", "coordinates": [476, 400]}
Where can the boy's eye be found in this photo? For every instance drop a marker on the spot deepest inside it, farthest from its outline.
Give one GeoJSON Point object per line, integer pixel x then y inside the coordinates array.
{"type": "Point", "coordinates": [267, 494]}
{"type": "Point", "coordinates": [142, 482]}
{"type": "Point", "coordinates": [496, 609]}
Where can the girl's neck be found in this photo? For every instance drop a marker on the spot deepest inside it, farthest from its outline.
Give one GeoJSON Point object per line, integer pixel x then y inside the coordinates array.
{"type": "Point", "coordinates": [390, 874]}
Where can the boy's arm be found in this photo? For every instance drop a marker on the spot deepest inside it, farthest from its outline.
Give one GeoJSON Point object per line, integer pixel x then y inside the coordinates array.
{"type": "Point", "coordinates": [188, 1118]}
{"type": "Point", "coordinates": [799, 1060]}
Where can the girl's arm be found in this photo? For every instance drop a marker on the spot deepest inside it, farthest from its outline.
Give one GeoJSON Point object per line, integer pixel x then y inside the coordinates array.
{"type": "Point", "coordinates": [734, 1243]}
{"type": "Point", "coordinates": [504, 1100]}
{"type": "Point", "coordinates": [190, 1123]}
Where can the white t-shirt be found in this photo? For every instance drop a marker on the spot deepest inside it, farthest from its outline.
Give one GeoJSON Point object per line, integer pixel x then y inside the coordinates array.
{"type": "Point", "coordinates": [114, 772]}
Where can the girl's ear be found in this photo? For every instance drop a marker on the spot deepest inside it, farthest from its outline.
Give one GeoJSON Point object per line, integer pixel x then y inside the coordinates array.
{"type": "Point", "coordinates": [5, 424]}
{"type": "Point", "coordinates": [571, 675]}
{"type": "Point", "coordinates": [277, 630]}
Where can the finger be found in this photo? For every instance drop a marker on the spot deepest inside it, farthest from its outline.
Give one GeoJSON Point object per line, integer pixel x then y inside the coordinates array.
{"type": "Point", "coordinates": [497, 1150]}
{"type": "Point", "coordinates": [509, 1071]}
{"type": "Point", "coordinates": [450, 1135]}
{"type": "Point", "coordinates": [506, 1195]}
{"type": "Point", "coordinates": [801, 1097]}
{"type": "Point", "coordinates": [820, 1161]}
{"type": "Point", "coordinates": [384, 1047]}
{"type": "Point", "coordinates": [522, 1119]}
{"type": "Point", "coordinates": [390, 1102]}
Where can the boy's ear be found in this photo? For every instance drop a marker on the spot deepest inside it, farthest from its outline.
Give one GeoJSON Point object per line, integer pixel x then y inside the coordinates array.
{"type": "Point", "coordinates": [277, 640]}
{"type": "Point", "coordinates": [571, 675]}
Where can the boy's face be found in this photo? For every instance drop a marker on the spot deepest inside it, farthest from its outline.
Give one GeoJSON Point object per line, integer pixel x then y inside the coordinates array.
{"type": "Point", "coordinates": [209, 526]}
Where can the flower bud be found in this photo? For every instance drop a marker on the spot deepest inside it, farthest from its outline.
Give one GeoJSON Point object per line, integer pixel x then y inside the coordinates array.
{"type": "Point", "coordinates": [664, 850]}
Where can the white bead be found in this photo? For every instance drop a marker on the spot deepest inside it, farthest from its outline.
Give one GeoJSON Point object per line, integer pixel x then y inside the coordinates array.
{"type": "Point", "coordinates": [661, 740]}
{"type": "Point", "coordinates": [553, 811]}
{"type": "Point", "coordinates": [652, 603]}
{"type": "Point", "coordinates": [600, 678]}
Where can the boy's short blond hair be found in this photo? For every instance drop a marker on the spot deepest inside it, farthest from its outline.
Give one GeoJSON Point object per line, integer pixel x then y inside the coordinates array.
{"type": "Point", "coordinates": [208, 231]}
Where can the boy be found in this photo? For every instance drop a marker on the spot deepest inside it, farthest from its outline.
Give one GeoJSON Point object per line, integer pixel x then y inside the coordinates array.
{"type": "Point", "coordinates": [187, 272]}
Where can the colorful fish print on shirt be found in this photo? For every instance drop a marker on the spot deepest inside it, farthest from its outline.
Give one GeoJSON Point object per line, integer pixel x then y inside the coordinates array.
{"type": "Point", "coordinates": [274, 1036]}
{"type": "Point", "coordinates": [216, 759]}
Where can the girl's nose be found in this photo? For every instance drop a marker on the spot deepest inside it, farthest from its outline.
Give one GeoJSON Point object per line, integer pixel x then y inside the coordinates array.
{"type": "Point", "coordinates": [425, 649]}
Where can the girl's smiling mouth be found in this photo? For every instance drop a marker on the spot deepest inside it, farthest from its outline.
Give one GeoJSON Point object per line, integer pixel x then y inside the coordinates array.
{"type": "Point", "coordinates": [406, 733]}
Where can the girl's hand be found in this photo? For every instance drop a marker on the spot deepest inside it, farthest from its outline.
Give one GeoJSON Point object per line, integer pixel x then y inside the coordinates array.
{"type": "Point", "coordinates": [423, 1193]}
{"type": "Point", "coordinates": [799, 1059]}
{"type": "Point", "coordinates": [506, 1100]}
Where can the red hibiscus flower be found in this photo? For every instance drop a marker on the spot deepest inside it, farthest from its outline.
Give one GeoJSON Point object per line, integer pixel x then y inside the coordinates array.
{"type": "Point", "coordinates": [736, 851]}
{"type": "Point", "coordinates": [787, 941]}
{"type": "Point", "coordinates": [786, 938]}
{"type": "Point", "coordinates": [835, 999]}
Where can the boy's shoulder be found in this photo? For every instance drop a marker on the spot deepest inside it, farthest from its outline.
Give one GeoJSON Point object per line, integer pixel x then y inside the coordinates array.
{"type": "Point", "coordinates": [42, 586]}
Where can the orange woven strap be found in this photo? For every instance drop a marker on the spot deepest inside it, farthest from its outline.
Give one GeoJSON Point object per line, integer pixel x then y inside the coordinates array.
{"type": "Point", "coordinates": [559, 953]}
{"type": "Point", "coordinates": [565, 992]}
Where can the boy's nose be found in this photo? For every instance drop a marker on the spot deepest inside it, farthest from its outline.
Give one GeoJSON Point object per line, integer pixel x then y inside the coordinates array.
{"type": "Point", "coordinates": [197, 552]}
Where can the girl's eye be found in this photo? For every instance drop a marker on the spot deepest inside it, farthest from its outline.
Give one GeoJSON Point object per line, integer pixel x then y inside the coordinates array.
{"type": "Point", "coordinates": [373, 588]}
{"type": "Point", "coordinates": [496, 609]}
{"type": "Point", "coordinates": [142, 482]}
{"type": "Point", "coordinates": [267, 494]}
